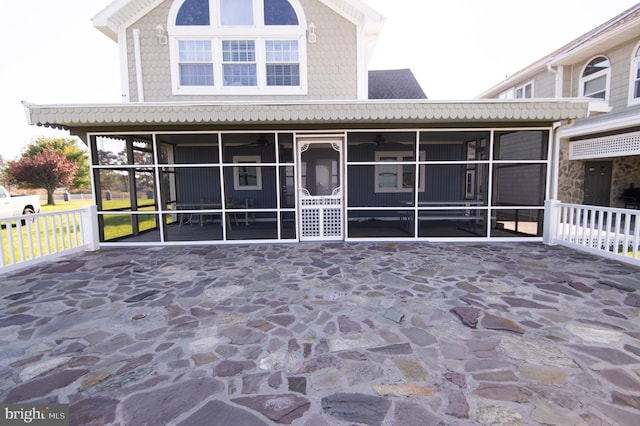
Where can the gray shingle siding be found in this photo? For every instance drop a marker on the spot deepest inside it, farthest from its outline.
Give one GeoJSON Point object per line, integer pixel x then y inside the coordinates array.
{"type": "Point", "coordinates": [331, 62]}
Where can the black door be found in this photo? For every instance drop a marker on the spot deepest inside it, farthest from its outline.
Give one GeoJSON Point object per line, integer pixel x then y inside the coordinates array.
{"type": "Point", "coordinates": [597, 183]}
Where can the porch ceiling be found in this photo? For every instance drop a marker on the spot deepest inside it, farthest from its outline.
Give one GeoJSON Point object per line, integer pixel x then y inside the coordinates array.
{"type": "Point", "coordinates": [308, 113]}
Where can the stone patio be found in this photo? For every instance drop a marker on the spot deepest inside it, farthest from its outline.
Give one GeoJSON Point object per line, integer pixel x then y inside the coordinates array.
{"type": "Point", "coordinates": [326, 334]}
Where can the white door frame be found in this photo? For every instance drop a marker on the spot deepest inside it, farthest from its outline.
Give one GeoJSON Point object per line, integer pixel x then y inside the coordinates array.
{"type": "Point", "coordinates": [321, 217]}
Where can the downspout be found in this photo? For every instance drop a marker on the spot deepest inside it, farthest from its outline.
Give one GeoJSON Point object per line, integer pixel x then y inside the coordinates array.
{"type": "Point", "coordinates": [555, 170]}
{"type": "Point", "coordinates": [559, 73]}
{"type": "Point", "coordinates": [124, 64]}
{"type": "Point", "coordinates": [138, 59]}
{"type": "Point", "coordinates": [551, 209]}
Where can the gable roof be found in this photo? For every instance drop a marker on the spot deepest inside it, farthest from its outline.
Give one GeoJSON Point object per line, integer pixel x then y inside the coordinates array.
{"type": "Point", "coordinates": [394, 84]}
{"type": "Point", "coordinates": [605, 36]}
{"type": "Point", "coordinates": [123, 12]}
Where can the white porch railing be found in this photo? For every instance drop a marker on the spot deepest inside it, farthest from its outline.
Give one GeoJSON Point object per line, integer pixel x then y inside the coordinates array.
{"type": "Point", "coordinates": [610, 232]}
{"type": "Point", "coordinates": [30, 239]}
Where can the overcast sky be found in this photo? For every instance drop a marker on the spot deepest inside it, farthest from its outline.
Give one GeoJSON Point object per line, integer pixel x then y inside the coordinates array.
{"type": "Point", "coordinates": [457, 49]}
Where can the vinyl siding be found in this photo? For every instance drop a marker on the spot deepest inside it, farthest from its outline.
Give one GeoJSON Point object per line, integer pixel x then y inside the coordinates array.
{"type": "Point", "coordinates": [544, 85]}
{"type": "Point", "coordinates": [620, 59]}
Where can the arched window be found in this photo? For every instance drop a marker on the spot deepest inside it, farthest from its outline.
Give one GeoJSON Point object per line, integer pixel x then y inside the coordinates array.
{"type": "Point", "coordinates": [237, 47]}
{"type": "Point", "coordinates": [634, 95]}
{"type": "Point", "coordinates": [193, 12]}
{"type": "Point", "coordinates": [594, 82]}
{"type": "Point", "coordinates": [279, 12]}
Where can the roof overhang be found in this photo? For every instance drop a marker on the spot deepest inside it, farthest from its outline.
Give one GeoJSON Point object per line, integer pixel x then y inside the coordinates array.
{"type": "Point", "coordinates": [304, 114]}
{"type": "Point", "coordinates": [121, 12]}
{"type": "Point", "coordinates": [606, 42]}
{"type": "Point", "coordinates": [610, 125]}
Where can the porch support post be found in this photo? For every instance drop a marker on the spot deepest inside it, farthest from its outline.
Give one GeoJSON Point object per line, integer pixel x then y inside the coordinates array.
{"type": "Point", "coordinates": [551, 215]}
{"type": "Point", "coordinates": [89, 223]}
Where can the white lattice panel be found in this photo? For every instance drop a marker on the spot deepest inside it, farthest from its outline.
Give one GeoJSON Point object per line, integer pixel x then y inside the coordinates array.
{"type": "Point", "coordinates": [310, 223]}
{"type": "Point", "coordinates": [608, 146]}
{"type": "Point", "coordinates": [321, 218]}
{"type": "Point", "coordinates": [332, 222]}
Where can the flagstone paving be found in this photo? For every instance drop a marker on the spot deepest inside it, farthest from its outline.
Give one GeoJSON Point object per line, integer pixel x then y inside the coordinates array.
{"type": "Point", "coordinates": [326, 334]}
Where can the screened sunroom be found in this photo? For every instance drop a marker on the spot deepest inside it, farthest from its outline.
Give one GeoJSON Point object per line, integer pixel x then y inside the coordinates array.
{"type": "Point", "coordinates": [178, 173]}
{"type": "Point", "coordinates": [230, 186]}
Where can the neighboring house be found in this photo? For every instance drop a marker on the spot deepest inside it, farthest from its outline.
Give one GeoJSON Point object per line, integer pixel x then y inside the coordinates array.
{"type": "Point", "coordinates": [600, 155]}
{"type": "Point", "coordinates": [258, 120]}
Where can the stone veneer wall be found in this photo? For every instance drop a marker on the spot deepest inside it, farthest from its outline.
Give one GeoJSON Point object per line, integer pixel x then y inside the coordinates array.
{"type": "Point", "coordinates": [625, 171]}
{"type": "Point", "coordinates": [571, 177]}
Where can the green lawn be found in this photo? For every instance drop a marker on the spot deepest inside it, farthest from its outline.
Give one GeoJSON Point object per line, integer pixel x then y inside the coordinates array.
{"type": "Point", "coordinates": [65, 205]}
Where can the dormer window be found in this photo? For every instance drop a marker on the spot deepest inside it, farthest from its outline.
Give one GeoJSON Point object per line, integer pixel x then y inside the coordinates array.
{"type": "Point", "coordinates": [237, 47]}
{"type": "Point", "coordinates": [594, 82]}
{"type": "Point", "coordinates": [634, 95]}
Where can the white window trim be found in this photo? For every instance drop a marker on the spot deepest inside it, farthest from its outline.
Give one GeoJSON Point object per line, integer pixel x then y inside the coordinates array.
{"type": "Point", "coordinates": [635, 63]}
{"type": "Point", "coordinates": [607, 73]}
{"type": "Point", "coordinates": [247, 161]}
{"type": "Point", "coordinates": [523, 87]}
{"type": "Point", "coordinates": [399, 164]}
{"type": "Point", "coordinates": [216, 33]}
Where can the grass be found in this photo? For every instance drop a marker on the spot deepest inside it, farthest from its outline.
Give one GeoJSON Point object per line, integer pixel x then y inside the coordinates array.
{"type": "Point", "coordinates": [65, 205]}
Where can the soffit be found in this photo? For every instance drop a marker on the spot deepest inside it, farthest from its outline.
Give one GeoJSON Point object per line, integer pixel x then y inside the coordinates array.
{"type": "Point", "coordinates": [309, 113]}
{"type": "Point", "coordinates": [120, 12]}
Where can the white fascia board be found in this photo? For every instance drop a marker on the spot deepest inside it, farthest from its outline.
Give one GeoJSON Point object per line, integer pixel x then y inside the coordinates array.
{"type": "Point", "coordinates": [599, 45]}
{"type": "Point", "coordinates": [122, 12]}
{"type": "Point", "coordinates": [600, 127]}
{"type": "Point", "coordinates": [102, 21]}
{"type": "Point", "coordinates": [354, 11]}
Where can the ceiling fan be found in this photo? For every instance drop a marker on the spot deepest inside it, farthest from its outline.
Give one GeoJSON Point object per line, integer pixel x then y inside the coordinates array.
{"type": "Point", "coordinates": [261, 142]}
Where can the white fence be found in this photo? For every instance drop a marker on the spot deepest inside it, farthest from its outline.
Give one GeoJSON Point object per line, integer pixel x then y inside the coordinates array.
{"type": "Point", "coordinates": [29, 239]}
{"type": "Point", "coordinates": [604, 231]}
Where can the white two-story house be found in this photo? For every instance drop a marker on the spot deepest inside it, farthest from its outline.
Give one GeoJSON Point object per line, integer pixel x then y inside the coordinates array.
{"type": "Point", "coordinates": [259, 120]}
{"type": "Point", "coordinates": [599, 155]}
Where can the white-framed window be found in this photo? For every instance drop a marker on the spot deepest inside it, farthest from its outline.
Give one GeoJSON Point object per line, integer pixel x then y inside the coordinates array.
{"type": "Point", "coordinates": [594, 80]}
{"type": "Point", "coordinates": [237, 47]}
{"type": "Point", "coordinates": [245, 176]}
{"type": "Point", "coordinates": [525, 91]}
{"type": "Point", "coordinates": [634, 89]}
{"type": "Point", "coordinates": [283, 63]}
{"type": "Point", "coordinates": [239, 63]}
{"type": "Point", "coordinates": [195, 62]}
{"type": "Point", "coordinates": [399, 176]}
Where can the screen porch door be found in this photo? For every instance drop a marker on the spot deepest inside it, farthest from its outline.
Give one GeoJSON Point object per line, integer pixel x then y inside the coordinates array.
{"type": "Point", "coordinates": [320, 200]}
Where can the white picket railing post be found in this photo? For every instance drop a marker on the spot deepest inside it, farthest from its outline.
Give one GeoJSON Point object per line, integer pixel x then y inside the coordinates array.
{"type": "Point", "coordinates": [551, 215]}
{"type": "Point", "coordinates": [90, 234]}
